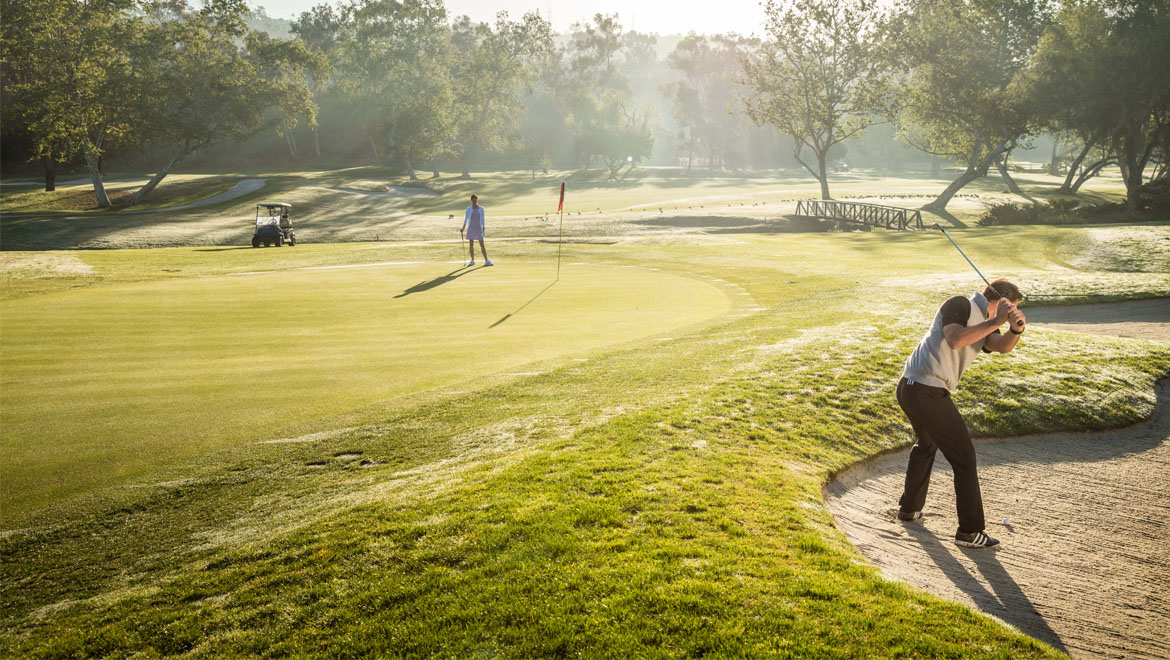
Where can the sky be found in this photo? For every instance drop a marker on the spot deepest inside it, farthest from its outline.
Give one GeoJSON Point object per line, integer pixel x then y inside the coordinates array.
{"type": "Point", "coordinates": [660, 16]}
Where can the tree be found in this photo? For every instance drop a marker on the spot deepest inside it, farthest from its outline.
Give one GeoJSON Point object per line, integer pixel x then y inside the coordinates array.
{"type": "Point", "coordinates": [496, 67]}
{"type": "Point", "coordinates": [70, 69]}
{"type": "Point", "coordinates": [1140, 49]}
{"type": "Point", "coordinates": [707, 99]}
{"type": "Point", "coordinates": [540, 127]}
{"type": "Point", "coordinates": [1065, 78]}
{"type": "Point", "coordinates": [397, 58]}
{"type": "Point", "coordinates": [809, 79]}
{"type": "Point", "coordinates": [288, 67]}
{"type": "Point", "coordinates": [210, 80]}
{"type": "Point", "coordinates": [319, 28]}
{"type": "Point", "coordinates": [606, 123]}
{"type": "Point", "coordinates": [957, 91]}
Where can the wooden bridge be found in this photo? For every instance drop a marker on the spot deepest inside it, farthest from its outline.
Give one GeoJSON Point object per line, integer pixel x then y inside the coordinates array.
{"type": "Point", "coordinates": [873, 215]}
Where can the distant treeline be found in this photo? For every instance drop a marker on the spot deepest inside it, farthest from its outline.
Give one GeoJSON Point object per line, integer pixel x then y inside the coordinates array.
{"type": "Point", "coordinates": [151, 84]}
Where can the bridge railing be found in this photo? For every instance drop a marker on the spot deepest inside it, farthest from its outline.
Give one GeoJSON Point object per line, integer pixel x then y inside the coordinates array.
{"type": "Point", "coordinates": [890, 217]}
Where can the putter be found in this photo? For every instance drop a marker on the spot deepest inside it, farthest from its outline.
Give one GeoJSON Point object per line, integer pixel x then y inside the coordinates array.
{"type": "Point", "coordinates": [944, 233]}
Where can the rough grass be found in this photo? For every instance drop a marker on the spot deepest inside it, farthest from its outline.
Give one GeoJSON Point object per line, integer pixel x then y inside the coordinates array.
{"type": "Point", "coordinates": [659, 499]}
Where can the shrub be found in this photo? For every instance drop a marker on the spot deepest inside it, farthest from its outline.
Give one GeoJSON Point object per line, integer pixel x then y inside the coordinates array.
{"type": "Point", "coordinates": [1006, 213]}
{"type": "Point", "coordinates": [1154, 196]}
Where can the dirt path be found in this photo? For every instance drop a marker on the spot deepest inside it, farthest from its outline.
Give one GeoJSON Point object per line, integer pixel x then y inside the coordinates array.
{"type": "Point", "coordinates": [1084, 519]}
{"type": "Point", "coordinates": [244, 187]}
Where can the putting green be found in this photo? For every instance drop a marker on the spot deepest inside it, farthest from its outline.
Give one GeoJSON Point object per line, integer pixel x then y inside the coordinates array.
{"type": "Point", "coordinates": [105, 384]}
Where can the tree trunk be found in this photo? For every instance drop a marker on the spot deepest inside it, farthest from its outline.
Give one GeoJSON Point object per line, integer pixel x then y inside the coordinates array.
{"type": "Point", "coordinates": [316, 142]}
{"type": "Point", "coordinates": [1053, 170]}
{"type": "Point", "coordinates": [142, 192]}
{"type": "Point", "coordinates": [1072, 169]}
{"type": "Point", "coordinates": [823, 175]}
{"type": "Point", "coordinates": [471, 153]}
{"type": "Point", "coordinates": [691, 151]}
{"type": "Point", "coordinates": [1088, 173]}
{"type": "Point", "coordinates": [435, 173]}
{"type": "Point", "coordinates": [99, 188]}
{"type": "Point", "coordinates": [410, 171]}
{"type": "Point", "coordinates": [374, 147]}
{"type": "Point", "coordinates": [940, 202]}
{"type": "Point", "coordinates": [1133, 178]}
{"type": "Point", "coordinates": [1132, 158]}
{"type": "Point", "coordinates": [291, 141]}
{"type": "Point", "coordinates": [975, 170]}
{"type": "Point", "coordinates": [1001, 165]}
{"type": "Point", "coordinates": [50, 164]}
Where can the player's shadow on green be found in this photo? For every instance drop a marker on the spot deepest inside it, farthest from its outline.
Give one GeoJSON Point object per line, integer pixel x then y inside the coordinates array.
{"type": "Point", "coordinates": [438, 281]}
{"type": "Point", "coordinates": [508, 316]}
{"type": "Point", "coordinates": [1005, 600]}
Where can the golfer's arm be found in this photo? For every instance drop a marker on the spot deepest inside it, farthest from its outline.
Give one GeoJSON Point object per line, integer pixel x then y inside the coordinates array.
{"type": "Point", "coordinates": [1002, 343]}
{"type": "Point", "coordinates": [958, 336]}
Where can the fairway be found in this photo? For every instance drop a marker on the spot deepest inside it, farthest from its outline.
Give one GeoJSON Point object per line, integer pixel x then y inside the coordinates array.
{"type": "Point", "coordinates": [109, 384]}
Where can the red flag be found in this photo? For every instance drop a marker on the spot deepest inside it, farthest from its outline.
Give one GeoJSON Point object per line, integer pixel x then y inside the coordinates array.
{"type": "Point", "coordinates": [561, 205]}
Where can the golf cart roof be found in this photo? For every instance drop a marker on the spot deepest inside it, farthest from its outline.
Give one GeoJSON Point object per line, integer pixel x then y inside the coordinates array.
{"type": "Point", "coordinates": [272, 205]}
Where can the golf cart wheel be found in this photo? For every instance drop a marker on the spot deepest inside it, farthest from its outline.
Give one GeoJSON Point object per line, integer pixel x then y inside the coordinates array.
{"type": "Point", "coordinates": [255, 241]}
{"type": "Point", "coordinates": [292, 240]}
{"type": "Point", "coordinates": [279, 241]}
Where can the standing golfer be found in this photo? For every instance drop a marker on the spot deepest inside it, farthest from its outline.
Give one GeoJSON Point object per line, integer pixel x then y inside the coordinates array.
{"type": "Point", "coordinates": [962, 327]}
{"type": "Point", "coordinates": [473, 222]}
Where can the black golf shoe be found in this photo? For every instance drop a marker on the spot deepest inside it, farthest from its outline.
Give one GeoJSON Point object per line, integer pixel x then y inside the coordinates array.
{"type": "Point", "coordinates": [909, 516]}
{"type": "Point", "coordinates": [976, 540]}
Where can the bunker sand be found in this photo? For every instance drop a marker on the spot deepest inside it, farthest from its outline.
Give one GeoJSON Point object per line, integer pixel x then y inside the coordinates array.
{"type": "Point", "coordinates": [1083, 518]}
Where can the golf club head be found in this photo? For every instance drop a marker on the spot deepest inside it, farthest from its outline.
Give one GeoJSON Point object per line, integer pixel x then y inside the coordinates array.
{"type": "Point", "coordinates": [934, 225]}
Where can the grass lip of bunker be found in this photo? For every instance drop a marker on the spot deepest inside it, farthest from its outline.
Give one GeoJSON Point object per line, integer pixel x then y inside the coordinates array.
{"type": "Point", "coordinates": [273, 225]}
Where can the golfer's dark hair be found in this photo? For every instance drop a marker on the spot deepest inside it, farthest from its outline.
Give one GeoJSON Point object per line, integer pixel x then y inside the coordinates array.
{"type": "Point", "coordinates": [475, 196]}
{"type": "Point", "coordinates": [1001, 288]}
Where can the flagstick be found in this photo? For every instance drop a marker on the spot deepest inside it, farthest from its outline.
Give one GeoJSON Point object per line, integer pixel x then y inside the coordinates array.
{"type": "Point", "coordinates": [560, 233]}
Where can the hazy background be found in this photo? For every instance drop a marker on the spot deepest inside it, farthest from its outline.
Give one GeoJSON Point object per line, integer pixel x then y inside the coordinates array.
{"type": "Point", "coordinates": [655, 16]}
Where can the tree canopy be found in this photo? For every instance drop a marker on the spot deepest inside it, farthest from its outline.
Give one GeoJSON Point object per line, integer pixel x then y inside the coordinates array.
{"type": "Point", "coordinates": [810, 77]}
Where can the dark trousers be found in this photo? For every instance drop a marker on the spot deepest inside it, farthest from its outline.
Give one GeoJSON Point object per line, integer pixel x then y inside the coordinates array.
{"type": "Point", "coordinates": [939, 427]}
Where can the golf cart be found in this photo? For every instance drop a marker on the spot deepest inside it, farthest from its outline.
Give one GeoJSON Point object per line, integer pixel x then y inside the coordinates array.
{"type": "Point", "coordinates": [273, 225]}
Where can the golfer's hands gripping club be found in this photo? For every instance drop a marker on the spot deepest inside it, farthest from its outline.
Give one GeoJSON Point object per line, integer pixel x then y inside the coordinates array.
{"type": "Point", "coordinates": [1007, 312]}
{"type": "Point", "coordinates": [1017, 318]}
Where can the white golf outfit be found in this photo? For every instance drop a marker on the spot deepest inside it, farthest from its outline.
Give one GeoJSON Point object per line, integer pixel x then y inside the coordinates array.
{"type": "Point", "coordinates": [474, 221]}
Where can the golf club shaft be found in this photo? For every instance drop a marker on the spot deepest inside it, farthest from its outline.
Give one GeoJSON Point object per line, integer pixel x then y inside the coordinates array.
{"type": "Point", "coordinates": [989, 284]}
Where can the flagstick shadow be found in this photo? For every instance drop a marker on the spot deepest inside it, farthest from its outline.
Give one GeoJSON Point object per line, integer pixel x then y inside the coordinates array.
{"type": "Point", "coordinates": [508, 316]}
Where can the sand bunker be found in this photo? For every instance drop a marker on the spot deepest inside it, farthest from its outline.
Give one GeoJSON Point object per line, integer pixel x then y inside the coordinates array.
{"type": "Point", "coordinates": [1083, 518]}
{"type": "Point", "coordinates": [1137, 319]}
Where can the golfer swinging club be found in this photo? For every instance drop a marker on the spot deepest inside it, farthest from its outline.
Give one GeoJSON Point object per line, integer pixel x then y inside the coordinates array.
{"type": "Point", "coordinates": [473, 222]}
{"type": "Point", "coordinates": [962, 327]}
